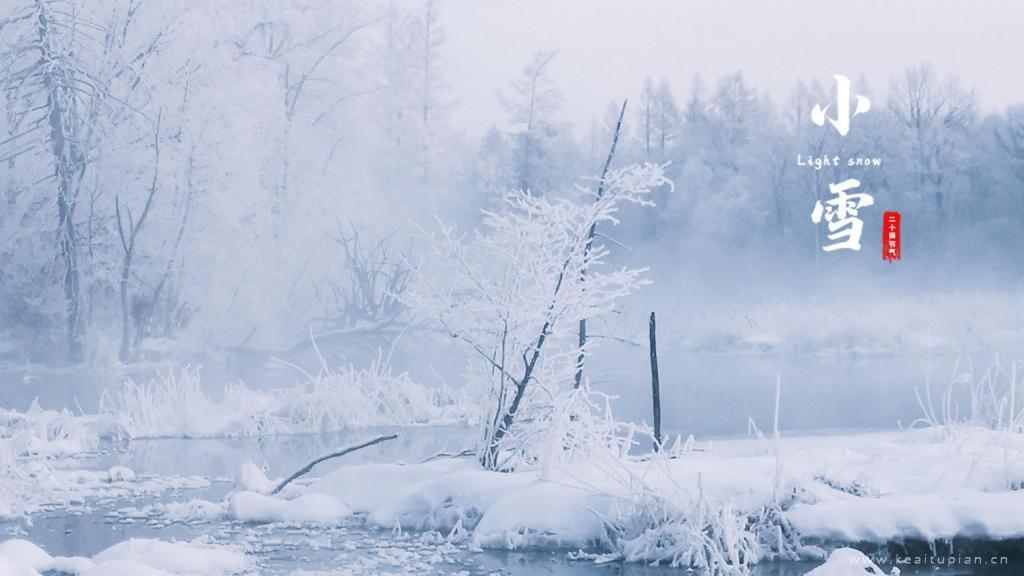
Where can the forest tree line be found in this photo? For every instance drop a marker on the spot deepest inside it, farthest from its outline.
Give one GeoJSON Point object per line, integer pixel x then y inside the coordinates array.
{"type": "Point", "coordinates": [225, 176]}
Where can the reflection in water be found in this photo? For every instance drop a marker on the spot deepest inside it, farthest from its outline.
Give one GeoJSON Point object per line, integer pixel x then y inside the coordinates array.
{"type": "Point", "coordinates": [701, 394]}
{"type": "Point", "coordinates": [715, 395]}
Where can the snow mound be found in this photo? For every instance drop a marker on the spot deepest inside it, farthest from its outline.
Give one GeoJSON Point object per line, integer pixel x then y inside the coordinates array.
{"type": "Point", "coordinates": [838, 489]}
{"type": "Point", "coordinates": [434, 496]}
{"type": "Point", "coordinates": [192, 511]}
{"type": "Point", "coordinates": [9, 567]}
{"type": "Point", "coordinates": [122, 568]}
{"type": "Point", "coordinates": [503, 510]}
{"type": "Point", "coordinates": [120, 474]}
{"type": "Point", "coordinates": [930, 517]}
{"type": "Point", "coordinates": [543, 515]}
{"type": "Point", "coordinates": [311, 508]}
{"type": "Point", "coordinates": [176, 557]}
{"type": "Point", "coordinates": [252, 478]}
{"type": "Point", "coordinates": [847, 562]}
{"type": "Point", "coordinates": [134, 557]}
{"type": "Point", "coordinates": [26, 553]}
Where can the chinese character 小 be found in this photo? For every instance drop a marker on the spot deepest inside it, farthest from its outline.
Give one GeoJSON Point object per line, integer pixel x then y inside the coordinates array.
{"type": "Point", "coordinates": [842, 120]}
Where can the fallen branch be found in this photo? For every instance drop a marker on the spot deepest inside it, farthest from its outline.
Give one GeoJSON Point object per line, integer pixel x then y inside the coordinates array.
{"type": "Point", "coordinates": [348, 450]}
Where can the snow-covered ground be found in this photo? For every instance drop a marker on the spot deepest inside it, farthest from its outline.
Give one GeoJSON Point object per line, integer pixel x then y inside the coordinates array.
{"type": "Point", "coordinates": [926, 484]}
{"type": "Point", "coordinates": [728, 504]}
{"type": "Point", "coordinates": [929, 484]}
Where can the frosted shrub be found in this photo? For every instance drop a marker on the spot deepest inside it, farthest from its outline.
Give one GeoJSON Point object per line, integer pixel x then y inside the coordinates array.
{"type": "Point", "coordinates": [653, 528]}
{"type": "Point", "coordinates": [990, 399]}
{"type": "Point", "coordinates": [175, 405]}
{"type": "Point", "coordinates": [28, 441]}
{"type": "Point", "coordinates": [655, 519]}
{"type": "Point", "coordinates": [45, 433]}
{"type": "Point", "coordinates": [515, 295]}
{"type": "Point", "coordinates": [574, 426]}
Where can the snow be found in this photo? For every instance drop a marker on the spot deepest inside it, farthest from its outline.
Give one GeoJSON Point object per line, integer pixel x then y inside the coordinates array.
{"type": "Point", "coordinates": [847, 562]}
{"type": "Point", "coordinates": [192, 511]}
{"type": "Point", "coordinates": [176, 557]}
{"type": "Point", "coordinates": [432, 496]}
{"type": "Point", "coordinates": [10, 567]}
{"type": "Point", "coordinates": [932, 484]}
{"type": "Point", "coordinates": [25, 552]}
{"type": "Point", "coordinates": [930, 517]}
{"type": "Point", "coordinates": [47, 433]}
{"type": "Point", "coordinates": [536, 517]}
{"type": "Point", "coordinates": [312, 508]}
{"type": "Point", "coordinates": [876, 487]}
{"type": "Point", "coordinates": [133, 557]}
{"type": "Point", "coordinates": [251, 477]}
{"type": "Point", "coordinates": [122, 568]}
{"type": "Point", "coordinates": [120, 474]}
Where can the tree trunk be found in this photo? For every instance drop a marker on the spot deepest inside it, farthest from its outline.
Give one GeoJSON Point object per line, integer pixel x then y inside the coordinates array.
{"type": "Point", "coordinates": [590, 243]}
{"type": "Point", "coordinates": [126, 349]}
{"type": "Point", "coordinates": [64, 172]}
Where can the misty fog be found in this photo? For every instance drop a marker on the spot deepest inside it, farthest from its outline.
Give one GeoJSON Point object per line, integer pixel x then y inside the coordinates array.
{"type": "Point", "coordinates": [618, 280]}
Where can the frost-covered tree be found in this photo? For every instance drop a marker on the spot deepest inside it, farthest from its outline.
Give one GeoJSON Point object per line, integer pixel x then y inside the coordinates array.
{"type": "Point", "coordinates": [935, 116]}
{"type": "Point", "coordinates": [52, 97]}
{"type": "Point", "coordinates": [532, 103]}
{"type": "Point", "coordinates": [410, 98]}
{"type": "Point", "coordinates": [515, 295]}
{"type": "Point", "coordinates": [307, 49]}
{"type": "Point", "coordinates": [433, 105]}
{"type": "Point", "coordinates": [658, 119]}
{"type": "Point", "coordinates": [72, 78]}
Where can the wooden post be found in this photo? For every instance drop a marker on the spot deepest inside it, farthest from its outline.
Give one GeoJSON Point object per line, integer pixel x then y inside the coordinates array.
{"type": "Point", "coordinates": [655, 386]}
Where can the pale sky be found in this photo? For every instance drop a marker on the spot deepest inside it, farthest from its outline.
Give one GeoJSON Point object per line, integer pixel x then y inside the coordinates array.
{"type": "Point", "coordinates": [607, 48]}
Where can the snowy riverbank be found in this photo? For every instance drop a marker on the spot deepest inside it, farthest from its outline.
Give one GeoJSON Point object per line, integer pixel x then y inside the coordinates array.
{"type": "Point", "coordinates": [725, 504]}
{"type": "Point", "coordinates": [734, 498]}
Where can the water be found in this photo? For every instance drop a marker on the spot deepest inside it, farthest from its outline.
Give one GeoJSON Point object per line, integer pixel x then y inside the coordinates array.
{"type": "Point", "coordinates": [716, 395]}
{"type": "Point", "coordinates": [701, 394]}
